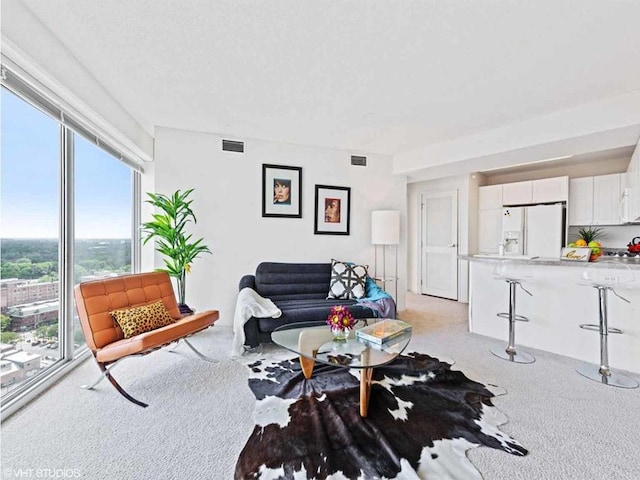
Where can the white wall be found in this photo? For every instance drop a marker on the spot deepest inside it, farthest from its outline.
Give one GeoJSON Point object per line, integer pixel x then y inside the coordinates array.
{"type": "Point", "coordinates": [227, 203]}
{"type": "Point", "coordinates": [414, 190]}
{"type": "Point", "coordinates": [616, 236]}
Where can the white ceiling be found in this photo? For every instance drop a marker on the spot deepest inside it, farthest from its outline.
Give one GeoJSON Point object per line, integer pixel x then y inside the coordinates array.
{"type": "Point", "coordinates": [366, 76]}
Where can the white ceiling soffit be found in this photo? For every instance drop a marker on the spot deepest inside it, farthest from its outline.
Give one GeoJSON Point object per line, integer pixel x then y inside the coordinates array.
{"type": "Point", "coordinates": [380, 77]}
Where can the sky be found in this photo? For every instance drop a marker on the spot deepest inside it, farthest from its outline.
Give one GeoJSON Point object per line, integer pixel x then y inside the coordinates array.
{"type": "Point", "coordinates": [29, 179]}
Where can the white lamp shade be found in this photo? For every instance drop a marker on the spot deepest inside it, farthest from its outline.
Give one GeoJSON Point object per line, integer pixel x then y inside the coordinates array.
{"type": "Point", "coordinates": [385, 227]}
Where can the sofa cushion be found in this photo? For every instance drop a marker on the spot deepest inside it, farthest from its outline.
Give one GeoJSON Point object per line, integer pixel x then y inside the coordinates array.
{"type": "Point", "coordinates": [308, 310]}
{"type": "Point", "coordinates": [347, 280]}
{"type": "Point", "coordinates": [283, 281]}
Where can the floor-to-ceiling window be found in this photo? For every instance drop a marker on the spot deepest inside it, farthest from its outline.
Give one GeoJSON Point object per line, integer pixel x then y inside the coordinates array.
{"type": "Point", "coordinates": [67, 215]}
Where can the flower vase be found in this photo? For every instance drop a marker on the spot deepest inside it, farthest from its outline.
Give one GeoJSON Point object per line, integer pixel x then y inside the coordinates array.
{"type": "Point", "coordinates": [339, 334]}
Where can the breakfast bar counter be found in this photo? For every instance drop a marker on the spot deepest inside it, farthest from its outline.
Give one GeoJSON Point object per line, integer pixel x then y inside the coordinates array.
{"type": "Point", "coordinates": [561, 302]}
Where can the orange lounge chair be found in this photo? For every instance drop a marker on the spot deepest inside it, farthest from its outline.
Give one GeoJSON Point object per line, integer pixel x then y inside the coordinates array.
{"type": "Point", "coordinates": [94, 301]}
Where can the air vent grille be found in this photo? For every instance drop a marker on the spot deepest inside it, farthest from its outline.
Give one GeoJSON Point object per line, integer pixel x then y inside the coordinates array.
{"type": "Point", "coordinates": [232, 146]}
{"type": "Point", "coordinates": [358, 160]}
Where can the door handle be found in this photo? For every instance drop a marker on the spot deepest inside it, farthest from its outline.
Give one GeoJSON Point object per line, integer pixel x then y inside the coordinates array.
{"type": "Point", "coordinates": [451, 245]}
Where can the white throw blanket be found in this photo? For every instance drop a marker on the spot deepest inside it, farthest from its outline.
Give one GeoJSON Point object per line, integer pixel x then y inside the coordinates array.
{"type": "Point", "coordinates": [249, 304]}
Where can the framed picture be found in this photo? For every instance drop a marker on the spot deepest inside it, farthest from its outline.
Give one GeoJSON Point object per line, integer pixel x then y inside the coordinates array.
{"type": "Point", "coordinates": [576, 254]}
{"type": "Point", "coordinates": [281, 191]}
{"type": "Point", "coordinates": [333, 210]}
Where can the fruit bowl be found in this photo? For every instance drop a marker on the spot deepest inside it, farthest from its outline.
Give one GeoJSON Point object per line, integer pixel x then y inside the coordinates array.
{"type": "Point", "coordinates": [595, 256]}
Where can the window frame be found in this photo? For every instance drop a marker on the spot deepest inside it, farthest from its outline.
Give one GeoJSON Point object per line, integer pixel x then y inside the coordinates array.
{"type": "Point", "coordinates": [69, 126]}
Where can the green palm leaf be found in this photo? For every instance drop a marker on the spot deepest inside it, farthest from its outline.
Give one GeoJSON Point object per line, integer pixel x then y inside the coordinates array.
{"type": "Point", "coordinates": [168, 230]}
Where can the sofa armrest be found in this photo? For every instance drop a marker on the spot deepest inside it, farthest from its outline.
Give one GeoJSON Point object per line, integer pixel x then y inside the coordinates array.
{"type": "Point", "coordinates": [251, 333]}
{"type": "Point", "coordinates": [247, 281]}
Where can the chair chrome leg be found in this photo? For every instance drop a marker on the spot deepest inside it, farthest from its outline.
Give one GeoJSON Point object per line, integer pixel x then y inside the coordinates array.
{"type": "Point", "coordinates": [106, 373]}
{"type": "Point", "coordinates": [203, 357]}
{"type": "Point", "coordinates": [103, 375]}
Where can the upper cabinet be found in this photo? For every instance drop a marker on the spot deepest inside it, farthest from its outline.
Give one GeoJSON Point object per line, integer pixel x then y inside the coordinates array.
{"type": "Point", "coordinates": [596, 200]}
{"type": "Point", "coordinates": [547, 190]}
{"type": "Point", "coordinates": [551, 190]}
{"type": "Point", "coordinates": [607, 193]}
{"type": "Point", "coordinates": [518, 193]}
{"type": "Point", "coordinates": [490, 197]}
{"type": "Point", "coordinates": [632, 197]}
{"type": "Point", "coordinates": [581, 201]}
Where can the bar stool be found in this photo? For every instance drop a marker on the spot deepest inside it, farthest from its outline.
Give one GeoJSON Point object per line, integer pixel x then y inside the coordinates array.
{"type": "Point", "coordinates": [514, 274]}
{"type": "Point", "coordinates": [605, 277]}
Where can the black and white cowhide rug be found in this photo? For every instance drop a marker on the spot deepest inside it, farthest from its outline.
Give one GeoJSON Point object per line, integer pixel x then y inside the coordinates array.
{"type": "Point", "coordinates": [423, 416]}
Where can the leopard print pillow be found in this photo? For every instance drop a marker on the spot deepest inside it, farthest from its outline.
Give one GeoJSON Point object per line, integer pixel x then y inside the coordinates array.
{"type": "Point", "coordinates": [137, 320]}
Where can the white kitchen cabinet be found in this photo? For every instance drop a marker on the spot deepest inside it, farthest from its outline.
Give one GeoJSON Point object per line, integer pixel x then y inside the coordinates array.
{"type": "Point", "coordinates": [581, 201]}
{"type": "Point", "coordinates": [607, 193]}
{"type": "Point", "coordinates": [518, 193]}
{"type": "Point", "coordinates": [489, 230]}
{"type": "Point", "coordinates": [550, 190]}
{"type": "Point", "coordinates": [490, 196]}
{"type": "Point", "coordinates": [632, 199]}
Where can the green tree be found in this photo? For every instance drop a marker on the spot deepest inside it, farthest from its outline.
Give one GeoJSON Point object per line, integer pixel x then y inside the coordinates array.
{"type": "Point", "coordinates": [9, 337]}
{"type": "Point", "coordinates": [41, 331]}
{"type": "Point", "coordinates": [52, 331]}
{"type": "Point", "coordinates": [5, 323]}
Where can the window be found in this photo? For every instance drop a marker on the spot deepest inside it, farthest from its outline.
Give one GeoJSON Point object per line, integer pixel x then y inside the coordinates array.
{"type": "Point", "coordinates": [67, 210]}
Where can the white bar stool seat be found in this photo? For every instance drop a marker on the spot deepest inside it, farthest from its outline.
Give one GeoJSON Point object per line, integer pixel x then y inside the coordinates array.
{"type": "Point", "coordinates": [605, 277]}
{"type": "Point", "coordinates": [514, 274]}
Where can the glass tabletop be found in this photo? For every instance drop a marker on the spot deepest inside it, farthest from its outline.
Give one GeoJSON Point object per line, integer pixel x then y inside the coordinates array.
{"type": "Point", "coordinates": [315, 341]}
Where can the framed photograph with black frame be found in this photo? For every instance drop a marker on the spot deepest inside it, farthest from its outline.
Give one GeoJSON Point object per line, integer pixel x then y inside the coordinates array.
{"type": "Point", "coordinates": [281, 191]}
{"type": "Point", "coordinates": [333, 210]}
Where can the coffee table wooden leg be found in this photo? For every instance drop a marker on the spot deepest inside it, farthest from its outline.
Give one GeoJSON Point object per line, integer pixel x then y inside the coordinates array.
{"type": "Point", "coordinates": [307, 366]}
{"type": "Point", "coordinates": [365, 390]}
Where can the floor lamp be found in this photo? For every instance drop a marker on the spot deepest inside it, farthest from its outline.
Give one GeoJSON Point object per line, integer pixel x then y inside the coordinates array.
{"type": "Point", "coordinates": [385, 230]}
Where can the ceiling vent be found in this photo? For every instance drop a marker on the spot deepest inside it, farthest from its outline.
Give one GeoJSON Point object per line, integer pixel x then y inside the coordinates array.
{"type": "Point", "coordinates": [232, 146]}
{"type": "Point", "coordinates": [358, 161]}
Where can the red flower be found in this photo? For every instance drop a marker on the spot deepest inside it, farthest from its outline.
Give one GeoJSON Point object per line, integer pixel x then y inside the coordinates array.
{"type": "Point", "coordinates": [340, 318]}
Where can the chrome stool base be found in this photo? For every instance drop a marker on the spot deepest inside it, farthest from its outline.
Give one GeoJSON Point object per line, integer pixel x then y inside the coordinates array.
{"type": "Point", "coordinates": [517, 357]}
{"type": "Point", "coordinates": [592, 372]}
{"type": "Point", "coordinates": [519, 318]}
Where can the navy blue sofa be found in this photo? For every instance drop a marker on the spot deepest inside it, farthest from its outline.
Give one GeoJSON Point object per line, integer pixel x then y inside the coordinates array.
{"type": "Point", "coordinates": [298, 289]}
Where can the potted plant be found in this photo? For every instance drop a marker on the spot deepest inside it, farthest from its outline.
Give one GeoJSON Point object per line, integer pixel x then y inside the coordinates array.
{"type": "Point", "coordinates": [168, 228]}
{"type": "Point", "coordinates": [587, 237]}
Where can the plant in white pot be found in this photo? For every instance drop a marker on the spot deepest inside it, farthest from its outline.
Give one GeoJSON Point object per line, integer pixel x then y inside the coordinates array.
{"type": "Point", "coordinates": [168, 229]}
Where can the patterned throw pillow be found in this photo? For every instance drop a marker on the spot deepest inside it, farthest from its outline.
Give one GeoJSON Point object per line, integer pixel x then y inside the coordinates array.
{"type": "Point", "coordinates": [347, 281]}
{"type": "Point", "coordinates": [137, 320]}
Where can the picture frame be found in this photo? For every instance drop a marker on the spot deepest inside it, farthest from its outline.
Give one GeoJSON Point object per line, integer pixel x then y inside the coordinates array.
{"type": "Point", "coordinates": [575, 254]}
{"type": "Point", "coordinates": [332, 210]}
{"type": "Point", "coordinates": [281, 191]}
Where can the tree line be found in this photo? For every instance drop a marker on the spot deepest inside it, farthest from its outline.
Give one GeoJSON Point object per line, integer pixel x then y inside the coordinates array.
{"type": "Point", "coordinates": [31, 259]}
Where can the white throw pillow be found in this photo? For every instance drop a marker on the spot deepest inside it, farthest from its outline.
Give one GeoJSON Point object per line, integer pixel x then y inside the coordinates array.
{"type": "Point", "coordinates": [347, 281]}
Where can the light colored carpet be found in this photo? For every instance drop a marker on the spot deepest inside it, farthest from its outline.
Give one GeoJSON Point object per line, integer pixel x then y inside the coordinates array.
{"type": "Point", "coordinates": [200, 414]}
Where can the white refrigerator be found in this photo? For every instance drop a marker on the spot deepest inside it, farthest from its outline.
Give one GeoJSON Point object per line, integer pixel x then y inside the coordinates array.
{"type": "Point", "coordinates": [536, 231]}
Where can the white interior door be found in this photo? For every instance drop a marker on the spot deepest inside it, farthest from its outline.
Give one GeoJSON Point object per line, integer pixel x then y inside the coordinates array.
{"type": "Point", "coordinates": [439, 244]}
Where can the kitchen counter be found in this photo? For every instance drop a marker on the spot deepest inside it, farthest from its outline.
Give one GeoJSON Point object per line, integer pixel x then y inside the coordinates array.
{"type": "Point", "coordinates": [613, 262]}
{"type": "Point", "coordinates": [560, 303]}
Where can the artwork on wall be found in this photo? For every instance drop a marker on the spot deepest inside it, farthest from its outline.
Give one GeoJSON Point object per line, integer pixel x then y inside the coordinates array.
{"type": "Point", "coordinates": [333, 210]}
{"type": "Point", "coordinates": [281, 191]}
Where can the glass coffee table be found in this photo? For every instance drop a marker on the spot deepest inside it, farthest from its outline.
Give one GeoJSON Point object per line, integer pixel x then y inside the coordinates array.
{"type": "Point", "coordinates": [313, 342]}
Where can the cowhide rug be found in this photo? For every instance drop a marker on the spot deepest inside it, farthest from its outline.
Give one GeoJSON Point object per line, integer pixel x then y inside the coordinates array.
{"type": "Point", "coordinates": [423, 416]}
